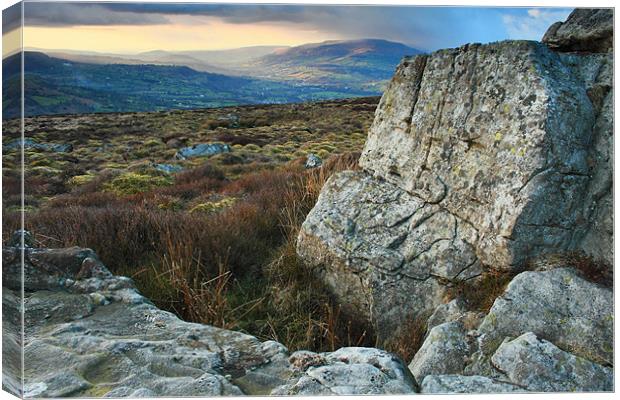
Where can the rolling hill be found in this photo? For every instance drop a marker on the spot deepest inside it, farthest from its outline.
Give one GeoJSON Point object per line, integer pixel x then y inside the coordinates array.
{"type": "Point", "coordinates": [68, 82]}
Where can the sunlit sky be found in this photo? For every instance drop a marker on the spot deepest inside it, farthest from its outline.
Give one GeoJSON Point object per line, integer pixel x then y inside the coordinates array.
{"type": "Point", "coordinates": [137, 27]}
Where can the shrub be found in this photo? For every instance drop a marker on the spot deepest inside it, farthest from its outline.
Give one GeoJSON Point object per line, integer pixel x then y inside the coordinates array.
{"type": "Point", "coordinates": [80, 179]}
{"type": "Point", "coordinates": [236, 268]}
{"type": "Point", "coordinates": [132, 183]}
{"type": "Point", "coordinates": [199, 173]}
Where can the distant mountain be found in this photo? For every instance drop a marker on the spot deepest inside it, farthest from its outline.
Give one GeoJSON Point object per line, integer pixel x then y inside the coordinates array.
{"type": "Point", "coordinates": [60, 86]}
{"type": "Point", "coordinates": [70, 82]}
{"type": "Point", "coordinates": [363, 64]}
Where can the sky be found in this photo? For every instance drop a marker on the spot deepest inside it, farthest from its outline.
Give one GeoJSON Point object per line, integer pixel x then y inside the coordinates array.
{"type": "Point", "coordinates": [138, 27]}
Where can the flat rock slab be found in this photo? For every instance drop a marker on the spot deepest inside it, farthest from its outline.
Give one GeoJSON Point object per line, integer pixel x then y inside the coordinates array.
{"type": "Point", "coordinates": [89, 333]}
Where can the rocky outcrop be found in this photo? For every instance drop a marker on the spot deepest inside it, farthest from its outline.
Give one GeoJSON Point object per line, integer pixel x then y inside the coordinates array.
{"type": "Point", "coordinates": [589, 30]}
{"type": "Point", "coordinates": [550, 331]}
{"type": "Point", "coordinates": [481, 157]}
{"type": "Point", "coordinates": [89, 333]}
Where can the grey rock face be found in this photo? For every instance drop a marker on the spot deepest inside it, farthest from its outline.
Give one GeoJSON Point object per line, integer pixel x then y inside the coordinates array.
{"type": "Point", "coordinates": [444, 351]}
{"type": "Point", "coordinates": [313, 161]}
{"type": "Point", "coordinates": [91, 334]}
{"type": "Point", "coordinates": [556, 305]}
{"type": "Point", "coordinates": [585, 29]}
{"type": "Point", "coordinates": [508, 155]}
{"type": "Point", "coordinates": [540, 366]}
{"type": "Point", "coordinates": [446, 384]}
{"type": "Point", "coordinates": [383, 250]}
{"type": "Point", "coordinates": [202, 150]}
{"type": "Point", "coordinates": [485, 155]}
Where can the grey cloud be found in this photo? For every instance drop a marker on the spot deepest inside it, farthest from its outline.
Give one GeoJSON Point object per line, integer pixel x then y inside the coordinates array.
{"type": "Point", "coordinates": [68, 14]}
{"type": "Point", "coordinates": [11, 18]}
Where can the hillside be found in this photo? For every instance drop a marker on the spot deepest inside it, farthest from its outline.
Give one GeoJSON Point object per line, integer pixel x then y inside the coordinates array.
{"type": "Point", "coordinates": [363, 64]}
{"type": "Point", "coordinates": [57, 86]}
{"type": "Point", "coordinates": [60, 82]}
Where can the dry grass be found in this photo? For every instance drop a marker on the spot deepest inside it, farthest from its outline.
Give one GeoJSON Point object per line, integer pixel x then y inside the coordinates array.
{"type": "Point", "coordinates": [480, 293]}
{"type": "Point", "coordinates": [409, 338]}
{"type": "Point", "coordinates": [235, 267]}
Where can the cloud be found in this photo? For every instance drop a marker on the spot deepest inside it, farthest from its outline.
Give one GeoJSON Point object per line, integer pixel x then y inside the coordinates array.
{"type": "Point", "coordinates": [532, 24]}
{"type": "Point", "coordinates": [11, 18]}
{"type": "Point", "coordinates": [426, 28]}
{"type": "Point", "coordinates": [70, 14]}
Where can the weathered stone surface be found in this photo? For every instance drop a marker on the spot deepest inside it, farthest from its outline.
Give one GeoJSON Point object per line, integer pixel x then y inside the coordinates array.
{"type": "Point", "coordinates": [348, 371]}
{"type": "Point", "coordinates": [508, 155]}
{"type": "Point", "coordinates": [556, 305]}
{"type": "Point", "coordinates": [506, 145]}
{"type": "Point", "coordinates": [446, 384]}
{"type": "Point", "coordinates": [91, 334]}
{"type": "Point", "coordinates": [383, 250]}
{"type": "Point", "coordinates": [596, 71]}
{"type": "Point", "coordinates": [540, 366]}
{"type": "Point", "coordinates": [202, 150]}
{"type": "Point", "coordinates": [585, 29]}
{"type": "Point", "coordinates": [444, 351]}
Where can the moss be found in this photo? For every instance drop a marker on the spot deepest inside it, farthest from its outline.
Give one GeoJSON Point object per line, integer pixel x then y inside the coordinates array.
{"type": "Point", "coordinates": [132, 183]}
{"type": "Point", "coordinates": [251, 147]}
{"type": "Point", "coordinates": [213, 206]}
{"type": "Point", "coordinates": [80, 179]}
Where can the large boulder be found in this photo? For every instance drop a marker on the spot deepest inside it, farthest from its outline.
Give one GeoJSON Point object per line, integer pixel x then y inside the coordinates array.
{"type": "Point", "coordinates": [481, 157]}
{"type": "Point", "coordinates": [497, 135]}
{"type": "Point", "coordinates": [384, 251]}
{"type": "Point", "coordinates": [89, 333]}
{"type": "Point", "coordinates": [589, 30]}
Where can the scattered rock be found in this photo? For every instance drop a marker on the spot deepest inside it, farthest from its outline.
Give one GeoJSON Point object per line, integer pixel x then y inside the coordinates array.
{"type": "Point", "coordinates": [556, 305]}
{"type": "Point", "coordinates": [589, 30]}
{"type": "Point", "coordinates": [540, 366]}
{"type": "Point", "coordinates": [32, 144]}
{"type": "Point", "coordinates": [168, 168]}
{"type": "Point", "coordinates": [19, 236]}
{"type": "Point", "coordinates": [313, 161]}
{"type": "Point", "coordinates": [202, 150]}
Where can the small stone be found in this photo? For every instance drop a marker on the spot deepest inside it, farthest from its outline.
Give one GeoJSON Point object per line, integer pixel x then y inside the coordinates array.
{"type": "Point", "coordinates": [313, 161]}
